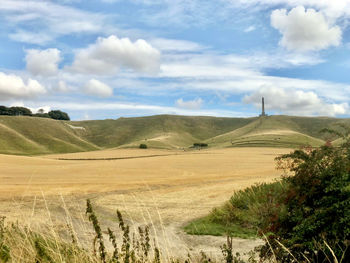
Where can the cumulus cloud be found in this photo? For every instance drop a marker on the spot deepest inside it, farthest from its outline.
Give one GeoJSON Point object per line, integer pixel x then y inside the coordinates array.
{"type": "Point", "coordinates": [190, 104]}
{"type": "Point", "coordinates": [109, 54]}
{"type": "Point", "coordinates": [97, 88]}
{"type": "Point", "coordinates": [12, 87]}
{"type": "Point", "coordinates": [295, 102]}
{"type": "Point", "coordinates": [305, 30]}
{"type": "Point", "coordinates": [43, 62]}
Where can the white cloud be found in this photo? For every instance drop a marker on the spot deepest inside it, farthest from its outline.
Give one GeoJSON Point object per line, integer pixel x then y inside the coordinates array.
{"type": "Point", "coordinates": [295, 102]}
{"type": "Point", "coordinates": [190, 104]}
{"type": "Point", "coordinates": [12, 86]}
{"type": "Point", "coordinates": [249, 29]}
{"type": "Point", "coordinates": [136, 109]}
{"type": "Point", "coordinates": [45, 109]}
{"type": "Point", "coordinates": [305, 30]}
{"type": "Point", "coordinates": [43, 62]}
{"type": "Point", "coordinates": [97, 88]}
{"type": "Point", "coordinates": [213, 65]}
{"type": "Point", "coordinates": [332, 8]}
{"type": "Point", "coordinates": [50, 20]}
{"type": "Point", "coordinates": [176, 45]}
{"type": "Point", "coordinates": [62, 86]}
{"type": "Point", "coordinates": [108, 54]}
{"type": "Point", "coordinates": [241, 85]}
{"type": "Point", "coordinates": [185, 13]}
{"type": "Point", "coordinates": [31, 37]}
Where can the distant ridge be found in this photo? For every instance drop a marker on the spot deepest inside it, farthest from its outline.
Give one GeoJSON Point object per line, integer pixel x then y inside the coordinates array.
{"type": "Point", "coordinates": [33, 136]}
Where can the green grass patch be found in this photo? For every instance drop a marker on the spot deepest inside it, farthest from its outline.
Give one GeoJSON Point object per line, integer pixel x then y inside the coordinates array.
{"type": "Point", "coordinates": [243, 215]}
{"type": "Point", "coordinates": [205, 226]}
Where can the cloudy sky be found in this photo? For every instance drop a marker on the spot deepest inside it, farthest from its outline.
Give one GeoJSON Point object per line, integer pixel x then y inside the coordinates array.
{"type": "Point", "coordinates": [98, 59]}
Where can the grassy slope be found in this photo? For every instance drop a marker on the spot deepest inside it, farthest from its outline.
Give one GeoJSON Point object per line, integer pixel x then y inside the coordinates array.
{"type": "Point", "coordinates": [29, 135]}
{"type": "Point", "coordinates": [160, 131]}
{"type": "Point", "coordinates": [276, 131]}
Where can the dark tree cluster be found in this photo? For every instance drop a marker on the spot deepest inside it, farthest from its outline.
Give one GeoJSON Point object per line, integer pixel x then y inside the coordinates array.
{"type": "Point", "coordinates": [200, 145]}
{"type": "Point", "coordinates": [15, 111]}
{"type": "Point", "coordinates": [22, 111]}
{"type": "Point", "coordinates": [58, 115]}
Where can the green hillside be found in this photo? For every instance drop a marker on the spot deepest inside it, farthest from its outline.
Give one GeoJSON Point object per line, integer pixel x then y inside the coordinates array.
{"type": "Point", "coordinates": [161, 130]}
{"type": "Point", "coordinates": [276, 131]}
{"type": "Point", "coordinates": [31, 136]}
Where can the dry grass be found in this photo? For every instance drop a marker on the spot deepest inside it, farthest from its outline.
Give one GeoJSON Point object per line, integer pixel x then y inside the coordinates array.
{"type": "Point", "coordinates": [28, 176]}
{"type": "Point", "coordinates": [164, 192]}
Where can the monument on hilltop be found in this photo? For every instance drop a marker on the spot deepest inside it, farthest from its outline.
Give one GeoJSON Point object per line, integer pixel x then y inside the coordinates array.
{"type": "Point", "coordinates": [263, 108]}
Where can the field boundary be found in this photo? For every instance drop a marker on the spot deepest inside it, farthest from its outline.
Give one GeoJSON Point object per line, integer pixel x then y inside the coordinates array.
{"type": "Point", "coordinates": [115, 158]}
{"type": "Point", "coordinates": [127, 157]}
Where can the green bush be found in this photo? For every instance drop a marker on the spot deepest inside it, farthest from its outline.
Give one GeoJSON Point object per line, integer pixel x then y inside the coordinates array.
{"type": "Point", "coordinates": [316, 221]}
{"type": "Point", "coordinates": [200, 145]}
{"type": "Point", "coordinates": [143, 146]}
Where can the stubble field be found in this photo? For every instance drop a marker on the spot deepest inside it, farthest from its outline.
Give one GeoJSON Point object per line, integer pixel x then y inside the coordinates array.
{"type": "Point", "coordinates": [164, 189]}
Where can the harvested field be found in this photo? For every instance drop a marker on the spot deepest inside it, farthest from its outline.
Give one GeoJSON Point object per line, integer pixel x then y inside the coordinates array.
{"type": "Point", "coordinates": [162, 188]}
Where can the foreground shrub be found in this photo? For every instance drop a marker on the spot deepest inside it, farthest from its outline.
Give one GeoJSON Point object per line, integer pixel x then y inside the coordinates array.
{"type": "Point", "coordinates": [315, 223]}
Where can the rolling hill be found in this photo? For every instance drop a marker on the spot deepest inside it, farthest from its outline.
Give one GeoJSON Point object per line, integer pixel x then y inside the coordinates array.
{"type": "Point", "coordinates": [32, 136]}
{"type": "Point", "coordinates": [275, 131]}
{"type": "Point", "coordinates": [165, 131]}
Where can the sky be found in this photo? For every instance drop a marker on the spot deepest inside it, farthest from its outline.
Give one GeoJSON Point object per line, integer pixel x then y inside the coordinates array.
{"type": "Point", "coordinates": [105, 59]}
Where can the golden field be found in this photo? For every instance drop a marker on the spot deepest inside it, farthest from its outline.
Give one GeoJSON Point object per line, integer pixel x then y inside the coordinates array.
{"type": "Point", "coordinates": [162, 188]}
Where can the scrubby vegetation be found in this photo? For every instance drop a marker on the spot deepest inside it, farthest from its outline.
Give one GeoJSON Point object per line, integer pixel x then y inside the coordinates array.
{"type": "Point", "coordinates": [314, 217]}
{"type": "Point", "coordinates": [303, 218]}
{"type": "Point", "coordinates": [242, 216]}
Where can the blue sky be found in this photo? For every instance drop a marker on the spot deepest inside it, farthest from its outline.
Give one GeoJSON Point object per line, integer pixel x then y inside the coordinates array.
{"type": "Point", "coordinates": [98, 59]}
